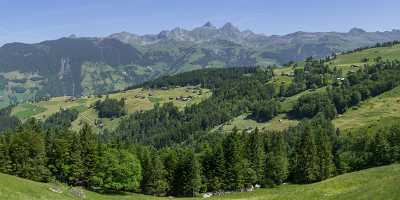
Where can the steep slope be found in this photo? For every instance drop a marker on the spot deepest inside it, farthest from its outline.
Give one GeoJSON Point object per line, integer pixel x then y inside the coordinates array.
{"type": "Point", "coordinates": [375, 183]}
{"type": "Point", "coordinates": [371, 112]}
{"type": "Point", "coordinates": [56, 67]}
{"type": "Point", "coordinates": [375, 111]}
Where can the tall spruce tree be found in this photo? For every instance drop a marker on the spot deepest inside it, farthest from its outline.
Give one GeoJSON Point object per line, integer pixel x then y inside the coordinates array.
{"type": "Point", "coordinates": [156, 183]}
{"type": "Point", "coordinates": [187, 181]}
{"type": "Point", "coordinates": [89, 152]}
{"type": "Point", "coordinates": [170, 161]}
{"type": "Point", "coordinates": [58, 144]}
{"type": "Point", "coordinates": [234, 175]}
{"type": "Point", "coordinates": [214, 168]}
{"type": "Point", "coordinates": [277, 163]}
{"type": "Point", "coordinates": [76, 171]}
{"type": "Point", "coordinates": [307, 168]}
{"type": "Point", "coordinates": [256, 155]}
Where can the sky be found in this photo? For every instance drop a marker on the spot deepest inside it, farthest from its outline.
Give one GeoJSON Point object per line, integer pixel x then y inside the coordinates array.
{"type": "Point", "coordinates": [33, 21]}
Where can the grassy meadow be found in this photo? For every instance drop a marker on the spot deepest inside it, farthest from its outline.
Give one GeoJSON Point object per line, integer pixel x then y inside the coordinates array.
{"type": "Point", "coordinates": [374, 183]}
{"type": "Point", "coordinates": [136, 100]}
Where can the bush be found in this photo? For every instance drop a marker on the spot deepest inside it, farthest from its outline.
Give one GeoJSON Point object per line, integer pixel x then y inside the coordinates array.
{"type": "Point", "coordinates": [110, 108]}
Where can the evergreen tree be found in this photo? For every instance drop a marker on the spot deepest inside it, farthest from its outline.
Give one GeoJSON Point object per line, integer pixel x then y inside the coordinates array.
{"type": "Point", "coordinates": [58, 146]}
{"type": "Point", "coordinates": [27, 152]}
{"type": "Point", "coordinates": [170, 161]}
{"type": "Point", "coordinates": [76, 170]}
{"type": "Point", "coordinates": [89, 152]}
{"type": "Point", "coordinates": [214, 168]}
{"type": "Point", "coordinates": [394, 140]}
{"type": "Point", "coordinates": [187, 181]}
{"type": "Point", "coordinates": [256, 155]}
{"type": "Point", "coordinates": [307, 168]}
{"type": "Point", "coordinates": [156, 183]}
{"type": "Point", "coordinates": [234, 176]}
{"type": "Point", "coordinates": [5, 160]}
{"type": "Point", "coordinates": [324, 148]}
{"type": "Point", "coordinates": [277, 163]}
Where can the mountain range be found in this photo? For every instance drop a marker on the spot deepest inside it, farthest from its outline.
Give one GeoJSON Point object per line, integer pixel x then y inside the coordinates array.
{"type": "Point", "coordinates": [76, 66]}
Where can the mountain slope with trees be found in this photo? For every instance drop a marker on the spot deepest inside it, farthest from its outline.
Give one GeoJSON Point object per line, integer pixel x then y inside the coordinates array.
{"type": "Point", "coordinates": [168, 151]}
{"type": "Point", "coordinates": [83, 66]}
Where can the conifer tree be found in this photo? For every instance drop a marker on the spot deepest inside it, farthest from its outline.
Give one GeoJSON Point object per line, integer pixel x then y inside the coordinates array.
{"type": "Point", "coordinates": [277, 163]}
{"type": "Point", "coordinates": [214, 168]}
{"type": "Point", "coordinates": [76, 169]}
{"type": "Point", "coordinates": [234, 176]}
{"type": "Point", "coordinates": [256, 155]}
{"type": "Point", "coordinates": [324, 148]}
{"type": "Point", "coordinates": [58, 144]}
{"type": "Point", "coordinates": [89, 152]}
{"type": "Point", "coordinates": [170, 161]}
{"type": "Point", "coordinates": [187, 181]}
{"type": "Point", "coordinates": [307, 168]}
{"type": "Point", "coordinates": [394, 140]}
{"type": "Point", "coordinates": [5, 160]}
{"type": "Point", "coordinates": [28, 154]}
{"type": "Point", "coordinates": [156, 183]}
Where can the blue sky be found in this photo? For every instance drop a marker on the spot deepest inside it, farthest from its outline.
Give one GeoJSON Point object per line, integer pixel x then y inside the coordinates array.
{"type": "Point", "coordinates": [37, 20]}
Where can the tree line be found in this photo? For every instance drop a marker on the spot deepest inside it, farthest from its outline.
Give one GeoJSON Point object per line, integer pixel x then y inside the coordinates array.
{"type": "Point", "coordinates": [311, 152]}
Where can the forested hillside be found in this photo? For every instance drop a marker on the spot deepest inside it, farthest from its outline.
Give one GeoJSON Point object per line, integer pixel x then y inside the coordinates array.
{"type": "Point", "coordinates": [167, 150]}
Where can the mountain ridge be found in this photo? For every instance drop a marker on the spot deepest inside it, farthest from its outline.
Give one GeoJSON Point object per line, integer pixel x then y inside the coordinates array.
{"type": "Point", "coordinates": [76, 66]}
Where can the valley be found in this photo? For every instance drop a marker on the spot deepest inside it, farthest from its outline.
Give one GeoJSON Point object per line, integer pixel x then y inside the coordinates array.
{"type": "Point", "coordinates": [199, 112]}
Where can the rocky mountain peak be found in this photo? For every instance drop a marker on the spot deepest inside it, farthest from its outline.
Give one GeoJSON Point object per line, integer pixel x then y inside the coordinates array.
{"type": "Point", "coordinates": [208, 25]}
{"type": "Point", "coordinates": [357, 31]}
{"type": "Point", "coordinates": [229, 27]}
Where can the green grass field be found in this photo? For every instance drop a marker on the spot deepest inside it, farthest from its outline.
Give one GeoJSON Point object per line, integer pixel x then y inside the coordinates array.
{"type": "Point", "coordinates": [136, 100]}
{"type": "Point", "coordinates": [371, 112]}
{"type": "Point", "coordinates": [242, 122]}
{"type": "Point", "coordinates": [345, 61]}
{"type": "Point", "coordinates": [375, 183]}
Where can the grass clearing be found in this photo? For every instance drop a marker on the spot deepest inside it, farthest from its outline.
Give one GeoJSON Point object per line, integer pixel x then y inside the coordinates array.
{"type": "Point", "coordinates": [136, 100]}
{"type": "Point", "coordinates": [242, 122]}
{"type": "Point", "coordinates": [25, 111]}
{"type": "Point", "coordinates": [389, 53]}
{"type": "Point", "coordinates": [372, 111]}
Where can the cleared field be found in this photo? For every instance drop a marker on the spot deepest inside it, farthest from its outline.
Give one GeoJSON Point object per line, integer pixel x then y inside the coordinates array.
{"type": "Point", "coordinates": [372, 111]}
{"type": "Point", "coordinates": [278, 123]}
{"type": "Point", "coordinates": [390, 53]}
{"type": "Point", "coordinates": [346, 61]}
{"type": "Point", "coordinates": [136, 100]}
{"type": "Point", "coordinates": [375, 183]}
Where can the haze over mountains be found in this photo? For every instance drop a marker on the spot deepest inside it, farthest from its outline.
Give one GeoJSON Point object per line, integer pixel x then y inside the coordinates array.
{"type": "Point", "coordinates": [82, 66]}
